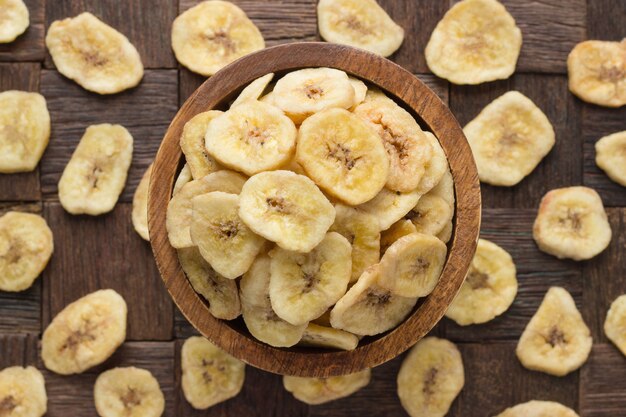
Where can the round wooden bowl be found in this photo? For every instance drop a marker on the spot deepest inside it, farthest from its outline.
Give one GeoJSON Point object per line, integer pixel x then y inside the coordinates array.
{"type": "Point", "coordinates": [431, 112]}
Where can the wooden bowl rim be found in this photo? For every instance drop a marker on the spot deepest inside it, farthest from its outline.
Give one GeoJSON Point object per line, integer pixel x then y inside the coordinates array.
{"type": "Point", "coordinates": [390, 78]}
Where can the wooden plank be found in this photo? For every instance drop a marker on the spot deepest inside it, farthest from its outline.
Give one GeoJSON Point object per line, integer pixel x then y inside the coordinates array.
{"type": "Point", "coordinates": [605, 20]}
{"type": "Point", "coordinates": [73, 396]}
{"type": "Point", "coordinates": [30, 45]}
{"type": "Point", "coordinates": [562, 166]}
{"type": "Point", "coordinates": [146, 23]}
{"type": "Point", "coordinates": [603, 386]}
{"type": "Point", "coordinates": [182, 328]}
{"type": "Point", "coordinates": [146, 111]}
{"type": "Point", "coordinates": [23, 186]}
{"type": "Point", "coordinates": [18, 350]}
{"type": "Point", "coordinates": [438, 85]}
{"type": "Point", "coordinates": [105, 252]}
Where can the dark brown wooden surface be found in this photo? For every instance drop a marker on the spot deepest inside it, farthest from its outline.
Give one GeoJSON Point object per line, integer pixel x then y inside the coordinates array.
{"type": "Point", "coordinates": [89, 254]}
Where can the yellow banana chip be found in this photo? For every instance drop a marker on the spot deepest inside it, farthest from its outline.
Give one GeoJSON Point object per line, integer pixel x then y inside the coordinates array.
{"type": "Point", "coordinates": [14, 19]}
{"type": "Point", "coordinates": [316, 391]}
{"type": "Point", "coordinates": [22, 392]}
{"type": "Point", "coordinates": [538, 409]}
{"type": "Point", "coordinates": [139, 215]}
{"type": "Point", "coordinates": [128, 392]}
{"type": "Point", "coordinates": [611, 156]}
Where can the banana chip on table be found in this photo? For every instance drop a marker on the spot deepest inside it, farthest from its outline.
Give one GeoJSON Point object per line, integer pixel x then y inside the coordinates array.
{"type": "Point", "coordinates": [489, 288]}
{"type": "Point", "coordinates": [327, 337]}
{"type": "Point", "coordinates": [538, 409]}
{"type": "Point", "coordinates": [210, 375]}
{"type": "Point", "coordinates": [359, 23]}
{"type": "Point", "coordinates": [85, 333]}
{"type": "Point", "coordinates": [397, 230]}
{"type": "Point", "coordinates": [92, 53]}
{"type": "Point", "coordinates": [221, 293]}
{"type": "Point", "coordinates": [26, 245]}
{"type": "Point", "coordinates": [611, 156]}
{"type": "Point", "coordinates": [571, 223]}
{"type": "Point", "coordinates": [94, 178]}
{"type": "Point", "coordinates": [139, 215]}
{"type": "Point", "coordinates": [212, 34]}
{"type": "Point", "coordinates": [390, 206]}
{"type": "Point", "coordinates": [22, 392]}
{"type": "Point", "coordinates": [430, 378]}
{"type": "Point", "coordinates": [128, 392]}
{"type": "Point", "coordinates": [475, 42]}
{"type": "Point", "coordinates": [615, 323]}
{"type": "Point", "coordinates": [435, 167]}
{"type": "Point", "coordinates": [251, 137]}
{"type": "Point", "coordinates": [509, 138]}
{"type": "Point", "coordinates": [26, 130]}
{"type": "Point", "coordinates": [431, 214]}
{"type": "Point", "coordinates": [184, 176]}
{"type": "Point", "coordinates": [14, 20]}
{"type": "Point", "coordinates": [597, 72]}
{"type": "Point", "coordinates": [192, 143]}
{"type": "Point", "coordinates": [254, 90]}
{"type": "Point", "coordinates": [256, 308]}
{"type": "Point", "coordinates": [368, 309]}
{"type": "Point", "coordinates": [556, 340]}
{"type": "Point", "coordinates": [343, 155]}
{"type": "Point", "coordinates": [315, 391]}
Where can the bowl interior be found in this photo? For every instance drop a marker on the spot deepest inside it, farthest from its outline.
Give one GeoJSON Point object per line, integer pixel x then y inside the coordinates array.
{"type": "Point", "coordinates": [429, 111]}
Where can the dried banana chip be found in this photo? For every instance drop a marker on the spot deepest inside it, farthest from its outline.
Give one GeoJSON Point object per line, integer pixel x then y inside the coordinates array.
{"type": "Point", "coordinates": [128, 392]}
{"type": "Point", "coordinates": [538, 409]}
{"type": "Point", "coordinates": [95, 176]}
{"type": "Point", "coordinates": [22, 392]}
{"type": "Point", "coordinates": [556, 340]}
{"type": "Point", "coordinates": [25, 130]}
{"type": "Point", "coordinates": [359, 23]}
{"type": "Point", "coordinates": [184, 176]}
{"type": "Point", "coordinates": [212, 34]}
{"type": "Point", "coordinates": [26, 246]}
{"type": "Point", "coordinates": [489, 288]}
{"type": "Point", "coordinates": [436, 166]}
{"type": "Point", "coordinates": [316, 391]}
{"type": "Point", "coordinates": [360, 92]}
{"type": "Point", "coordinates": [571, 223]}
{"type": "Point", "coordinates": [397, 230]}
{"type": "Point", "coordinates": [431, 214]}
{"type": "Point", "coordinates": [254, 90]}
{"type": "Point", "coordinates": [611, 156]}
{"type": "Point", "coordinates": [597, 72]}
{"type": "Point", "coordinates": [210, 375]}
{"type": "Point", "coordinates": [446, 233]}
{"type": "Point", "coordinates": [192, 144]}
{"type": "Point", "coordinates": [475, 42]}
{"type": "Point", "coordinates": [615, 323]}
{"type": "Point", "coordinates": [430, 378]}
{"type": "Point", "coordinates": [14, 20]}
{"type": "Point", "coordinates": [509, 138]}
{"type": "Point", "coordinates": [85, 333]}
{"type": "Point", "coordinates": [92, 53]}
{"type": "Point", "coordinates": [327, 337]}
{"type": "Point", "coordinates": [445, 189]}
{"type": "Point", "coordinates": [390, 206]}
{"type": "Point", "coordinates": [139, 215]}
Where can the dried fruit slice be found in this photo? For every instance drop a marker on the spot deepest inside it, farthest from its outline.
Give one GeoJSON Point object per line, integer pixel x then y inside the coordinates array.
{"type": "Point", "coordinates": [489, 288]}
{"type": "Point", "coordinates": [390, 206]}
{"type": "Point", "coordinates": [597, 72]}
{"type": "Point", "coordinates": [396, 231]}
{"type": "Point", "coordinates": [445, 189]}
{"type": "Point", "coordinates": [95, 176]}
{"type": "Point", "coordinates": [436, 166]}
{"type": "Point", "coordinates": [327, 337]}
{"type": "Point", "coordinates": [210, 375]}
{"type": "Point", "coordinates": [184, 176]}
{"type": "Point", "coordinates": [256, 307]}
{"type": "Point", "coordinates": [361, 230]}
{"type": "Point", "coordinates": [139, 215]}
{"type": "Point", "coordinates": [286, 208]}
{"type": "Point", "coordinates": [92, 53]}
{"type": "Point", "coordinates": [26, 246]}
{"type": "Point", "coordinates": [556, 340]}
{"type": "Point", "coordinates": [407, 147]}
{"type": "Point", "coordinates": [538, 409]}
{"type": "Point", "coordinates": [343, 155]}
{"type": "Point", "coordinates": [368, 309]}
{"type": "Point", "coordinates": [304, 285]}
{"type": "Point", "coordinates": [192, 144]}
{"type": "Point", "coordinates": [254, 90]}
{"type": "Point", "coordinates": [251, 137]}
{"type": "Point", "coordinates": [446, 233]}
{"type": "Point", "coordinates": [85, 333]}
{"type": "Point", "coordinates": [615, 323]}
{"type": "Point", "coordinates": [359, 23]}
{"type": "Point", "coordinates": [430, 378]}
{"type": "Point", "coordinates": [360, 92]}
{"type": "Point", "coordinates": [14, 20]}
{"type": "Point", "coordinates": [22, 392]}
{"type": "Point", "coordinates": [221, 293]}
{"type": "Point", "coordinates": [305, 92]}
{"type": "Point", "coordinates": [211, 35]}
{"type": "Point", "coordinates": [128, 392]}
{"type": "Point", "coordinates": [571, 223]}
{"type": "Point", "coordinates": [475, 42]}
{"type": "Point", "coordinates": [316, 391]}
{"type": "Point", "coordinates": [431, 214]}
{"type": "Point", "coordinates": [412, 265]}
{"type": "Point", "coordinates": [509, 138]}
{"type": "Point", "coordinates": [223, 239]}
{"type": "Point", "coordinates": [611, 156]}
{"type": "Point", "coordinates": [179, 210]}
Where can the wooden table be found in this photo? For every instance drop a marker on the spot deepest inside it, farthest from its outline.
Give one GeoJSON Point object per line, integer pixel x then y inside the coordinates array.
{"type": "Point", "coordinates": [104, 252]}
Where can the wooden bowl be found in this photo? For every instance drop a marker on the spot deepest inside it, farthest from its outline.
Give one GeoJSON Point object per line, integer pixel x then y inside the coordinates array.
{"type": "Point", "coordinates": [432, 113]}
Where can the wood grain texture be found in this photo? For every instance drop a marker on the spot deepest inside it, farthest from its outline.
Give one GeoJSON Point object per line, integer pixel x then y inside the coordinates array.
{"type": "Point", "coordinates": [146, 23]}
{"type": "Point", "coordinates": [603, 386]}
{"type": "Point", "coordinates": [145, 111]}
{"type": "Point", "coordinates": [563, 111]}
{"type": "Point", "coordinates": [105, 252]}
{"type": "Point", "coordinates": [29, 46]}
{"type": "Point", "coordinates": [605, 20]}
{"type": "Point", "coordinates": [23, 186]}
{"type": "Point", "coordinates": [18, 350]}
{"type": "Point", "coordinates": [439, 86]}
